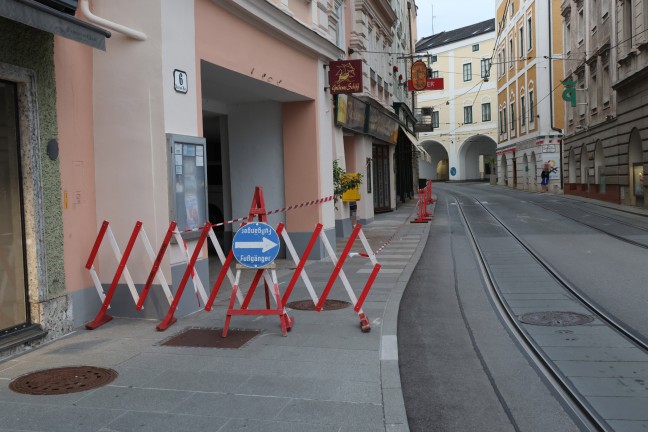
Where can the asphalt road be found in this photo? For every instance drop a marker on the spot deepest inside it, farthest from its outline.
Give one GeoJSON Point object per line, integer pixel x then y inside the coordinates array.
{"type": "Point", "coordinates": [460, 368]}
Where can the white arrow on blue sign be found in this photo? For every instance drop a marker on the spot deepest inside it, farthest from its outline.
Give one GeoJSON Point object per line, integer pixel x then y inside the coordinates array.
{"type": "Point", "coordinates": [255, 245]}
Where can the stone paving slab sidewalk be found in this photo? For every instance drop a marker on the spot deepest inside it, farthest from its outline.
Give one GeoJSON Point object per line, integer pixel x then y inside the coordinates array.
{"type": "Point", "coordinates": [326, 375]}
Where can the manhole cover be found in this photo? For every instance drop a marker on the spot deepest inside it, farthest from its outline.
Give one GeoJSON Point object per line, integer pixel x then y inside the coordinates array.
{"type": "Point", "coordinates": [307, 305]}
{"type": "Point", "coordinates": [211, 338]}
{"type": "Point", "coordinates": [556, 319]}
{"type": "Point", "coordinates": [63, 380]}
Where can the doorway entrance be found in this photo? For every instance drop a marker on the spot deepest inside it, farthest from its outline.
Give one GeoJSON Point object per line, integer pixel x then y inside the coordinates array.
{"type": "Point", "coordinates": [381, 195]}
{"type": "Point", "coordinates": [13, 286]}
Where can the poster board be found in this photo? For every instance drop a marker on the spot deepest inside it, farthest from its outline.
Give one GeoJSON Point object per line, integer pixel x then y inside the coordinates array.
{"type": "Point", "coordinates": [188, 182]}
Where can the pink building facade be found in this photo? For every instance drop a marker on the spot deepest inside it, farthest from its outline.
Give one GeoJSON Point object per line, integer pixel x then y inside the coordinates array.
{"type": "Point", "coordinates": [192, 104]}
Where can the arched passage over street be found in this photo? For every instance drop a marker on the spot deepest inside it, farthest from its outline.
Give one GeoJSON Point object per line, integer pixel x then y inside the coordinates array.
{"type": "Point", "coordinates": [471, 156]}
{"type": "Point", "coordinates": [438, 168]}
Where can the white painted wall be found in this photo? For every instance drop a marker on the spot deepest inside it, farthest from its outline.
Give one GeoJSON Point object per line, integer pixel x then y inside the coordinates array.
{"type": "Point", "coordinates": [256, 146]}
{"type": "Point", "coordinates": [326, 143]}
{"type": "Point", "coordinates": [179, 52]}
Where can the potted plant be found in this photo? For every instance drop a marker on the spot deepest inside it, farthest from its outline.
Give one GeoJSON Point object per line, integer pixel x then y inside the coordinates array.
{"type": "Point", "coordinates": [345, 182]}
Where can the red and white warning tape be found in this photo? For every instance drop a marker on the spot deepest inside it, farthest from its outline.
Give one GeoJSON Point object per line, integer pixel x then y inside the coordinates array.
{"type": "Point", "coordinates": [282, 210]}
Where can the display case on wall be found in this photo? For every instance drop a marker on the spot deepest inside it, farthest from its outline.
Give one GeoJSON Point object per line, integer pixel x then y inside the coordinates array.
{"type": "Point", "coordinates": [188, 178]}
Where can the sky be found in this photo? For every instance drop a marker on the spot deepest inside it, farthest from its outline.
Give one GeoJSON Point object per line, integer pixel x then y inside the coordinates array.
{"type": "Point", "coordinates": [451, 14]}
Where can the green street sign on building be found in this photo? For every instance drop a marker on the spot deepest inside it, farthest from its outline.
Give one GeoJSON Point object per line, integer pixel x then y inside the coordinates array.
{"type": "Point", "coordinates": [569, 94]}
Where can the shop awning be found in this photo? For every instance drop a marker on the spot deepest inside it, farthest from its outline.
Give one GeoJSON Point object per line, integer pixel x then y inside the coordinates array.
{"type": "Point", "coordinates": [50, 20]}
{"type": "Point", "coordinates": [416, 144]}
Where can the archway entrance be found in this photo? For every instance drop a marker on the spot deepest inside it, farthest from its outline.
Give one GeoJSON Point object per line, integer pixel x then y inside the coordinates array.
{"type": "Point", "coordinates": [473, 154]}
{"type": "Point", "coordinates": [584, 166]}
{"type": "Point", "coordinates": [636, 168]}
{"type": "Point", "coordinates": [525, 176]}
{"type": "Point", "coordinates": [599, 167]}
{"type": "Point", "coordinates": [533, 172]}
{"type": "Point", "coordinates": [438, 168]}
{"type": "Point", "coordinates": [503, 179]}
{"type": "Point", "coordinates": [571, 166]}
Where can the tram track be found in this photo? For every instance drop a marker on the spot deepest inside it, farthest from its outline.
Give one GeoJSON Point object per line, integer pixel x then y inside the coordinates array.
{"type": "Point", "coordinates": [580, 405]}
{"type": "Point", "coordinates": [575, 205]}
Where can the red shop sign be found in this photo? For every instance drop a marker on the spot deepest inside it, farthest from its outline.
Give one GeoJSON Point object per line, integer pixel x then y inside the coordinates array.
{"type": "Point", "coordinates": [432, 84]}
{"type": "Point", "coordinates": [345, 76]}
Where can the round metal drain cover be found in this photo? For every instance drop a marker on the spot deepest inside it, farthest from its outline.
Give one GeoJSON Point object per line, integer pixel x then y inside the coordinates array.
{"type": "Point", "coordinates": [556, 319]}
{"type": "Point", "coordinates": [63, 380]}
{"type": "Point", "coordinates": [307, 305]}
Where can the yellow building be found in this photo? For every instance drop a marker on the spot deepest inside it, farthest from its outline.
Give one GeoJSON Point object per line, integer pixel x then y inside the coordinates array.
{"type": "Point", "coordinates": [529, 74]}
{"type": "Point", "coordinates": [463, 114]}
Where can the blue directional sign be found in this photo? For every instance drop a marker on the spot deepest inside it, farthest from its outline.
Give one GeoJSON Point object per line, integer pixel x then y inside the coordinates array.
{"type": "Point", "coordinates": [453, 171]}
{"type": "Point", "coordinates": [255, 245]}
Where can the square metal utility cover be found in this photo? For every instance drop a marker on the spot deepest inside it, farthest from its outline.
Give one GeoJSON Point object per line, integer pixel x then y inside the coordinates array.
{"type": "Point", "coordinates": [210, 338]}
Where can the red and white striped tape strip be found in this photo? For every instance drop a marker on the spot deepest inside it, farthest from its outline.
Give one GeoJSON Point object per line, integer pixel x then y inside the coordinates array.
{"type": "Point", "coordinates": [282, 210]}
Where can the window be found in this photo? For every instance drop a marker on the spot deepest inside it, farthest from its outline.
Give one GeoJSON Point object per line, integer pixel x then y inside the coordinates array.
{"type": "Point", "coordinates": [511, 51]}
{"type": "Point", "coordinates": [499, 64]}
{"type": "Point", "coordinates": [593, 15]}
{"type": "Point", "coordinates": [521, 43]}
{"type": "Point", "coordinates": [593, 89]}
{"type": "Point", "coordinates": [475, 47]}
{"type": "Point", "coordinates": [568, 38]}
{"type": "Point", "coordinates": [605, 9]}
{"type": "Point", "coordinates": [531, 108]}
{"type": "Point", "coordinates": [522, 110]}
{"type": "Point", "coordinates": [434, 74]}
{"type": "Point", "coordinates": [503, 121]}
{"type": "Point", "coordinates": [628, 30]}
{"type": "Point", "coordinates": [467, 72]}
{"type": "Point", "coordinates": [485, 68]}
{"type": "Point", "coordinates": [433, 59]}
{"type": "Point", "coordinates": [435, 119]}
{"type": "Point", "coordinates": [486, 112]}
{"type": "Point", "coordinates": [339, 25]}
{"type": "Point", "coordinates": [581, 86]}
{"type": "Point", "coordinates": [605, 84]}
{"type": "Point", "coordinates": [513, 117]}
{"type": "Point", "coordinates": [468, 115]}
{"type": "Point", "coordinates": [504, 61]}
{"type": "Point", "coordinates": [530, 33]}
{"type": "Point", "coordinates": [581, 27]}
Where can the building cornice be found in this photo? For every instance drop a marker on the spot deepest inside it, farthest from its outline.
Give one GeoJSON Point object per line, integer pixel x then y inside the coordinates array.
{"type": "Point", "coordinates": [279, 24]}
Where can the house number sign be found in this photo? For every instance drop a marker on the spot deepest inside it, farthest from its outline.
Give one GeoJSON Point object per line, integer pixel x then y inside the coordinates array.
{"type": "Point", "coordinates": [180, 81]}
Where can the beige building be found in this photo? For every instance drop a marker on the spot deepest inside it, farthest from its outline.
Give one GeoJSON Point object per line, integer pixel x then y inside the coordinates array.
{"type": "Point", "coordinates": [464, 113]}
{"type": "Point", "coordinates": [606, 64]}
{"type": "Point", "coordinates": [531, 113]}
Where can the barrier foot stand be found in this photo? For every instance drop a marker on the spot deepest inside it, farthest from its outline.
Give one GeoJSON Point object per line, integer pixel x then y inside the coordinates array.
{"type": "Point", "coordinates": [98, 322]}
{"type": "Point", "coordinates": [365, 326]}
{"type": "Point", "coordinates": [280, 311]}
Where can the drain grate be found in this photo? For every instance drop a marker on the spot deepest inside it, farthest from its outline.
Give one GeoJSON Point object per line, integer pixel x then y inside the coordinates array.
{"type": "Point", "coordinates": [63, 380]}
{"type": "Point", "coordinates": [556, 319]}
{"type": "Point", "coordinates": [210, 338]}
{"type": "Point", "coordinates": [307, 305]}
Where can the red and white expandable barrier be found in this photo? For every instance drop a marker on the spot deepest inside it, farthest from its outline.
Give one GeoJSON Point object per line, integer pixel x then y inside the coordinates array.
{"type": "Point", "coordinates": [338, 271]}
{"type": "Point", "coordinates": [422, 214]}
{"type": "Point", "coordinates": [102, 317]}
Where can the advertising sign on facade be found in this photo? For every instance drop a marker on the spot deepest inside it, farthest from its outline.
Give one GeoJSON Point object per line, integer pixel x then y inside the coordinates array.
{"type": "Point", "coordinates": [419, 75]}
{"type": "Point", "coordinates": [383, 126]}
{"type": "Point", "coordinates": [351, 113]}
{"type": "Point", "coordinates": [432, 84]}
{"type": "Point", "coordinates": [345, 76]}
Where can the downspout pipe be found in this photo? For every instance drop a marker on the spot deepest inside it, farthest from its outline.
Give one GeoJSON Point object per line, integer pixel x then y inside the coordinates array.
{"type": "Point", "coordinates": [133, 34]}
{"type": "Point", "coordinates": [551, 92]}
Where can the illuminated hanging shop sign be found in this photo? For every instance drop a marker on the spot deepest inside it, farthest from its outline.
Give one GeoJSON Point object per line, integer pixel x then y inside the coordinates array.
{"type": "Point", "coordinates": [345, 76]}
